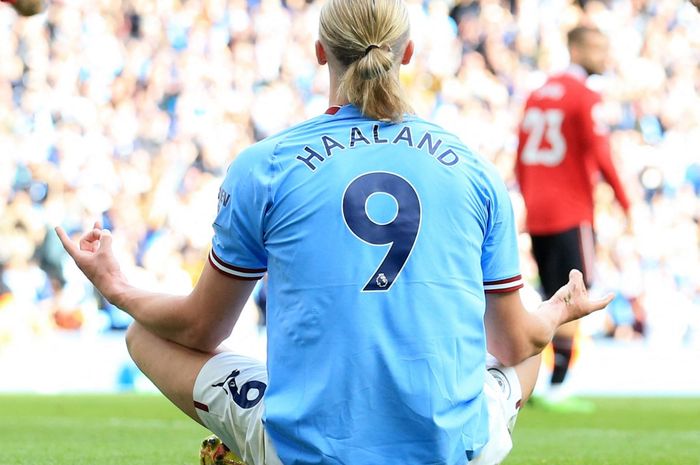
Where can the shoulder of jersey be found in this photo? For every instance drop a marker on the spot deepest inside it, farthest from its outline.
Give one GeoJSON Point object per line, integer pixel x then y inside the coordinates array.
{"type": "Point", "coordinates": [560, 87]}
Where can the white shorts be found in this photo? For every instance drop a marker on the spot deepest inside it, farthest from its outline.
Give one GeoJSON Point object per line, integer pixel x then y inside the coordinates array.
{"type": "Point", "coordinates": [504, 396]}
{"type": "Point", "coordinates": [228, 396]}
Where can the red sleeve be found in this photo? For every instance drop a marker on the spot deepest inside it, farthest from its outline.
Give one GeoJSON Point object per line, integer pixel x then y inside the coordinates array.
{"type": "Point", "coordinates": [596, 133]}
{"type": "Point", "coordinates": [8, 1]}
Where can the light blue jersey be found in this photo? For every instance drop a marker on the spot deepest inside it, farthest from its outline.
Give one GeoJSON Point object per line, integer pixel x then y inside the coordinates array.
{"type": "Point", "coordinates": [380, 240]}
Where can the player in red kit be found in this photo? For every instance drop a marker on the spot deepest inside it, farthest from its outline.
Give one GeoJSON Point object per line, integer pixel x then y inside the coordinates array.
{"type": "Point", "coordinates": [563, 147]}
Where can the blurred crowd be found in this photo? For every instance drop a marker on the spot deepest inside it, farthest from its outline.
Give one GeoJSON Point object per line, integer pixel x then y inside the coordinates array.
{"type": "Point", "coordinates": [128, 112]}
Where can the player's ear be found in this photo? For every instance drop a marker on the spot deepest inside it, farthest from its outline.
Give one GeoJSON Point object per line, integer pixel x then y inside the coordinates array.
{"type": "Point", "coordinates": [407, 53]}
{"type": "Point", "coordinates": [321, 53]}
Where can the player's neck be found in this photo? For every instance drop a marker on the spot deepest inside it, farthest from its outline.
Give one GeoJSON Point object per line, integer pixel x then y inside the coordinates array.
{"type": "Point", "coordinates": [334, 99]}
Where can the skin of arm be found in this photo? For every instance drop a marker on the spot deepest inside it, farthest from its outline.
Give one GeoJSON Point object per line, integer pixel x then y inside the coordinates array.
{"type": "Point", "coordinates": [200, 320]}
{"type": "Point", "coordinates": [513, 334]}
{"type": "Point", "coordinates": [205, 317]}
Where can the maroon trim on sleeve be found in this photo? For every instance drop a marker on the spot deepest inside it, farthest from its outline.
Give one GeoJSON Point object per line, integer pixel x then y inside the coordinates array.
{"type": "Point", "coordinates": [503, 281]}
{"type": "Point", "coordinates": [505, 289]}
{"type": "Point", "coordinates": [232, 271]}
{"type": "Point", "coordinates": [236, 268]}
{"type": "Point", "coordinates": [502, 286]}
{"type": "Point", "coordinates": [201, 406]}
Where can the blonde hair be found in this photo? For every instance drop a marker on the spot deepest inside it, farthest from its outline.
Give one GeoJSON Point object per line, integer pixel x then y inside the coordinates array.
{"type": "Point", "coordinates": [367, 38]}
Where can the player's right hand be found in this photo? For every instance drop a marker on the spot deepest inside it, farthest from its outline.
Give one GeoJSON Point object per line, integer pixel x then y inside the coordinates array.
{"type": "Point", "coordinates": [574, 301]}
{"type": "Point", "coordinates": [94, 256]}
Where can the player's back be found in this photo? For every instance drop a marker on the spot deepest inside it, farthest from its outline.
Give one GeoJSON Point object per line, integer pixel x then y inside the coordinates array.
{"type": "Point", "coordinates": [554, 140]}
{"type": "Point", "coordinates": [374, 234]}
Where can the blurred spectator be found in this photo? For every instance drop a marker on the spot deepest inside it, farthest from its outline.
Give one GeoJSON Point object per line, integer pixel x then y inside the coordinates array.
{"type": "Point", "coordinates": [129, 112]}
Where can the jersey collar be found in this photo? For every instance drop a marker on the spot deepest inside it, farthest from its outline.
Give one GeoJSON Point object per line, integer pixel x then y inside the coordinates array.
{"type": "Point", "coordinates": [347, 110]}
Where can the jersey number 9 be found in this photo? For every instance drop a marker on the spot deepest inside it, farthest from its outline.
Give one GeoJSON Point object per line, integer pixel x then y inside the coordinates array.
{"type": "Point", "coordinates": [400, 233]}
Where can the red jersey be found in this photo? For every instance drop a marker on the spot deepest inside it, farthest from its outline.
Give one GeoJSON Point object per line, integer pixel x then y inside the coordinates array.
{"type": "Point", "coordinates": [562, 147]}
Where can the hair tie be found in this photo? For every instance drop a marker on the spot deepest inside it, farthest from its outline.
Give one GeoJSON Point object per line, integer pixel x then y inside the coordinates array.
{"type": "Point", "coordinates": [368, 49]}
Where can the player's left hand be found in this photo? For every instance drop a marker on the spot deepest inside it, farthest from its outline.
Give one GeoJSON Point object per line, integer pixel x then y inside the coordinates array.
{"type": "Point", "coordinates": [574, 300]}
{"type": "Point", "coordinates": [94, 256]}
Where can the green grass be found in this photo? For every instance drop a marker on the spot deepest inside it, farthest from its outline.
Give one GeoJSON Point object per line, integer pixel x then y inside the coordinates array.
{"type": "Point", "coordinates": [96, 430]}
{"type": "Point", "coordinates": [147, 430]}
{"type": "Point", "coordinates": [622, 431]}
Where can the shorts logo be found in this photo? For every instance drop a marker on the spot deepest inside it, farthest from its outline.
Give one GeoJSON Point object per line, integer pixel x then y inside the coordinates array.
{"type": "Point", "coordinates": [240, 397]}
{"type": "Point", "coordinates": [502, 381]}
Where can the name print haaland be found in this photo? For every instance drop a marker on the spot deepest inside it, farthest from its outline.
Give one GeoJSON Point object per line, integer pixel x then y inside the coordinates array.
{"type": "Point", "coordinates": [426, 142]}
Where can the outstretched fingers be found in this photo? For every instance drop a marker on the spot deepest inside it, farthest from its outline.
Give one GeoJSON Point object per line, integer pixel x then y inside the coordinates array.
{"type": "Point", "coordinates": [577, 302]}
{"type": "Point", "coordinates": [599, 304]}
{"type": "Point", "coordinates": [579, 287]}
{"type": "Point", "coordinates": [72, 249]}
{"type": "Point", "coordinates": [576, 278]}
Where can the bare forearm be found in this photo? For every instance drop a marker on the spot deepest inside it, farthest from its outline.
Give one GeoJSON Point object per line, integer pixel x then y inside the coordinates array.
{"type": "Point", "coordinates": [528, 337]}
{"type": "Point", "coordinates": [201, 320]}
{"type": "Point", "coordinates": [542, 324]}
{"type": "Point", "coordinates": [514, 334]}
{"type": "Point", "coordinates": [162, 314]}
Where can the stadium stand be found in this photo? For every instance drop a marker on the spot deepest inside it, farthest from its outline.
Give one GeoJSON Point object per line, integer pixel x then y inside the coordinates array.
{"type": "Point", "coordinates": [130, 112]}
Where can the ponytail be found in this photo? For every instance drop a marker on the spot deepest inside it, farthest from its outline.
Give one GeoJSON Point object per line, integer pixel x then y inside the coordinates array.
{"type": "Point", "coordinates": [367, 37]}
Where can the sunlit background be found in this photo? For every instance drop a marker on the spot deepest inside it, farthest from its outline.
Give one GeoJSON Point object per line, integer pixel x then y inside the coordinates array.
{"type": "Point", "coordinates": [129, 112]}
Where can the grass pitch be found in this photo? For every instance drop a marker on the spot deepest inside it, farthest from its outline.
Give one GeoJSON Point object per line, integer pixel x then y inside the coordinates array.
{"type": "Point", "coordinates": [96, 430]}
{"type": "Point", "coordinates": [147, 430]}
{"type": "Point", "coordinates": [622, 431]}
